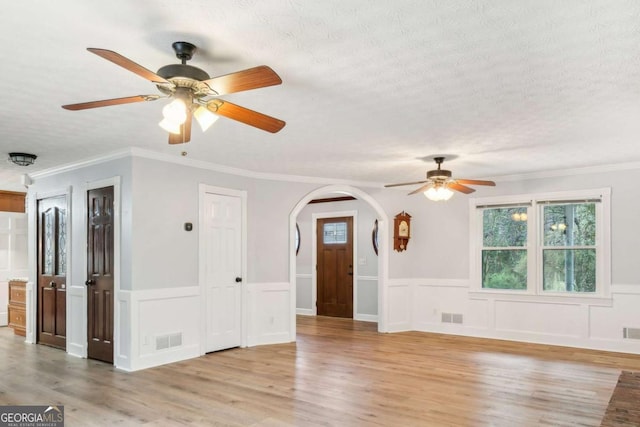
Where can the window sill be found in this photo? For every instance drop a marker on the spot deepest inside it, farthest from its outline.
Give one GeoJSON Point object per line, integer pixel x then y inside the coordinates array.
{"type": "Point", "coordinates": [592, 300]}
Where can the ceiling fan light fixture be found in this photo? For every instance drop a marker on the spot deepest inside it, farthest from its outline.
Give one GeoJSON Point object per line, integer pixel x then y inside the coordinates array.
{"type": "Point", "coordinates": [170, 126]}
{"type": "Point", "coordinates": [204, 117]}
{"type": "Point", "coordinates": [438, 193]}
{"type": "Point", "coordinates": [22, 159]}
{"type": "Point", "coordinates": [175, 111]}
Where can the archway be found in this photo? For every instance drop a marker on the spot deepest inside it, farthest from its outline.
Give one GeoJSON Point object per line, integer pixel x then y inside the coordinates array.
{"type": "Point", "coordinates": [383, 254]}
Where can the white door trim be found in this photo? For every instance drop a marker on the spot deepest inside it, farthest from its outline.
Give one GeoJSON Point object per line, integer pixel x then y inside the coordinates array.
{"type": "Point", "coordinates": [314, 255]}
{"type": "Point", "coordinates": [204, 189]}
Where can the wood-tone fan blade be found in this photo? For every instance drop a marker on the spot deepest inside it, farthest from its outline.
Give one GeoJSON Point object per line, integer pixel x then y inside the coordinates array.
{"type": "Point", "coordinates": [186, 127]}
{"type": "Point", "coordinates": [405, 183]}
{"type": "Point", "coordinates": [108, 102]}
{"type": "Point", "coordinates": [475, 182]}
{"type": "Point", "coordinates": [253, 78]}
{"type": "Point", "coordinates": [460, 188]}
{"type": "Point", "coordinates": [422, 189]}
{"type": "Point", "coordinates": [245, 115]}
{"type": "Point", "coordinates": [185, 131]}
{"type": "Point", "coordinates": [128, 64]}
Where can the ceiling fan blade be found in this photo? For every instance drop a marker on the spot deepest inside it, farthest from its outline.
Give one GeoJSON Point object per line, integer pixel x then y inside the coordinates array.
{"type": "Point", "coordinates": [253, 78]}
{"type": "Point", "coordinates": [128, 64]}
{"type": "Point", "coordinates": [422, 189]}
{"type": "Point", "coordinates": [246, 116]}
{"type": "Point", "coordinates": [109, 102]}
{"type": "Point", "coordinates": [405, 183]}
{"type": "Point", "coordinates": [185, 131]}
{"type": "Point", "coordinates": [460, 188]}
{"type": "Point", "coordinates": [475, 182]}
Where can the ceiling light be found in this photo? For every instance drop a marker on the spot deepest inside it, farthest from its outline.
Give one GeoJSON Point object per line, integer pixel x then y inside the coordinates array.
{"type": "Point", "coordinates": [170, 126]}
{"type": "Point", "coordinates": [438, 192]}
{"type": "Point", "coordinates": [204, 117]}
{"type": "Point", "coordinates": [175, 111]}
{"type": "Point", "coordinates": [22, 159]}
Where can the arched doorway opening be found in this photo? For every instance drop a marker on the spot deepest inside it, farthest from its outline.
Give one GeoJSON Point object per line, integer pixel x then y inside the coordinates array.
{"type": "Point", "coordinates": [383, 255]}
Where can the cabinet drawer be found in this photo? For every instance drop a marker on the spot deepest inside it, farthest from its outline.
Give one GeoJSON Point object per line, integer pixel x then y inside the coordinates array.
{"type": "Point", "coordinates": [17, 295]}
{"type": "Point", "coordinates": [17, 319]}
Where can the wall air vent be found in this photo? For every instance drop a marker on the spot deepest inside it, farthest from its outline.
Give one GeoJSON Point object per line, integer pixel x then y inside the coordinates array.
{"type": "Point", "coordinates": [631, 333]}
{"type": "Point", "coordinates": [167, 341]}
{"type": "Point", "coordinates": [451, 318]}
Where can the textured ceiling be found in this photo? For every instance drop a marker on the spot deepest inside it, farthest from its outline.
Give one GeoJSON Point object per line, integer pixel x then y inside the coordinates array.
{"type": "Point", "coordinates": [369, 88]}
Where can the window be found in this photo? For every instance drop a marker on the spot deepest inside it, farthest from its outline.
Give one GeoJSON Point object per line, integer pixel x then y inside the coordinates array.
{"type": "Point", "coordinates": [549, 244]}
{"type": "Point", "coordinates": [569, 247]}
{"type": "Point", "coordinates": [504, 248]}
{"type": "Point", "coordinates": [335, 233]}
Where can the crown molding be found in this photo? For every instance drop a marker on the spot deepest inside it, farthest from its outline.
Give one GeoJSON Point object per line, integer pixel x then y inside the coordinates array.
{"type": "Point", "coordinates": [67, 167]}
{"type": "Point", "coordinates": [587, 170]}
{"type": "Point", "coordinates": [200, 164]}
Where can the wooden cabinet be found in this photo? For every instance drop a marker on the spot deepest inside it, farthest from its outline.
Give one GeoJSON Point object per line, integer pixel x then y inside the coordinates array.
{"type": "Point", "coordinates": [12, 201]}
{"type": "Point", "coordinates": [18, 307]}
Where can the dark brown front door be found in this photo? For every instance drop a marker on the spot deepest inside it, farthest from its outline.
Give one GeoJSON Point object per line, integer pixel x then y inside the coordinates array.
{"type": "Point", "coordinates": [335, 267]}
{"type": "Point", "coordinates": [100, 274]}
{"type": "Point", "coordinates": [52, 272]}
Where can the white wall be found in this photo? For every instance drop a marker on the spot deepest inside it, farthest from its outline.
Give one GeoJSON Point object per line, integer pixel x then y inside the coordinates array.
{"type": "Point", "coordinates": [366, 280]}
{"type": "Point", "coordinates": [13, 255]}
{"type": "Point", "coordinates": [159, 271]}
{"type": "Point", "coordinates": [73, 182]}
{"type": "Point", "coordinates": [435, 280]}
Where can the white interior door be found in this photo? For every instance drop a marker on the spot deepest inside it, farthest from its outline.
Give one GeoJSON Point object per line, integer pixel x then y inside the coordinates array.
{"type": "Point", "coordinates": [223, 269]}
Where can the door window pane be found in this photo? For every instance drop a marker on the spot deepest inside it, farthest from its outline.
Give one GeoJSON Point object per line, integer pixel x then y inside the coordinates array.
{"type": "Point", "coordinates": [335, 233]}
{"type": "Point", "coordinates": [62, 242]}
{"type": "Point", "coordinates": [48, 225]}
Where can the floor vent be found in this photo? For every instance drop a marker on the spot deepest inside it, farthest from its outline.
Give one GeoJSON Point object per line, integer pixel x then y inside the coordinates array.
{"type": "Point", "coordinates": [451, 318]}
{"type": "Point", "coordinates": [168, 341]}
{"type": "Point", "coordinates": [631, 333]}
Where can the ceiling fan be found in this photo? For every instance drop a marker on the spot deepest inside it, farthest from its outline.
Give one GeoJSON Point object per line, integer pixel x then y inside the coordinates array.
{"type": "Point", "coordinates": [194, 93]}
{"type": "Point", "coordinates": [439, 184]}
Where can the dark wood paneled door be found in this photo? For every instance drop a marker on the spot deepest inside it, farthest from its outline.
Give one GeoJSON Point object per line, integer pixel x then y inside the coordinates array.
{"type": "Point", "coordinates": [52, 272]}
{"type": "Point", "coordinates": [100, 274]}
{"type": "Point", "coordinates": [335, 267]}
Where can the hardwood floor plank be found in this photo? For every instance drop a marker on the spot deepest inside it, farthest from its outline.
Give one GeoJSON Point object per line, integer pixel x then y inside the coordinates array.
{"type": "Point", "coordinates": [339, 373]}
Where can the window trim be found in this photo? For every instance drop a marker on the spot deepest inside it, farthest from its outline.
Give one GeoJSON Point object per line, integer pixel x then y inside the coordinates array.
{"type": "Point", "coordinates": [534, 246]}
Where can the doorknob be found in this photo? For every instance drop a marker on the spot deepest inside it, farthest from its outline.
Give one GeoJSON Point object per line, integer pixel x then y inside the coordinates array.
{"type": "Point", "coordinates": [52, 284]}
{"type": "Point", "coordinates": [90, 282]}
{"type": "Point", "coordinates": [238, 279]}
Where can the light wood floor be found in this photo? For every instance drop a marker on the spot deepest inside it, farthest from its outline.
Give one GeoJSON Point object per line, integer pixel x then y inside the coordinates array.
{"type": "Point", "coordinates": [339, 373]}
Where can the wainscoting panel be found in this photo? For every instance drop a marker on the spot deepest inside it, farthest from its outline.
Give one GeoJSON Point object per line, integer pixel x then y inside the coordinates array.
{"type": "Point", "coordinates": [77, 321]}
{"type": "Point", "coordinates": [559, 320]}
{"type": "Point", "coordinates": [269, 313]}
{"type": "Point", "coordinates": [399, 305]}
{"type": "Point", "coordinates": [159, 316]}
{"type": "Point", "coordinates": [447, 306]}
{"type": "Point", "coordinates": [304, 293]}
{"type": "Point", "coordinates": [366, 299]}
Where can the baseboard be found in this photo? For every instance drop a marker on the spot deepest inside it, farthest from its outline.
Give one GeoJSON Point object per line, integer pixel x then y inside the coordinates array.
{"type": "Point", "coordinates": [366, 317]}
{"type": "Point", "coordinates": [4, 318]}
{"type": "Point", "coordinates": [265, 339]}
{"type": "Point", "coordinates": [305, 312]}
{"type": "Point", "coordinates": [166, 356]}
